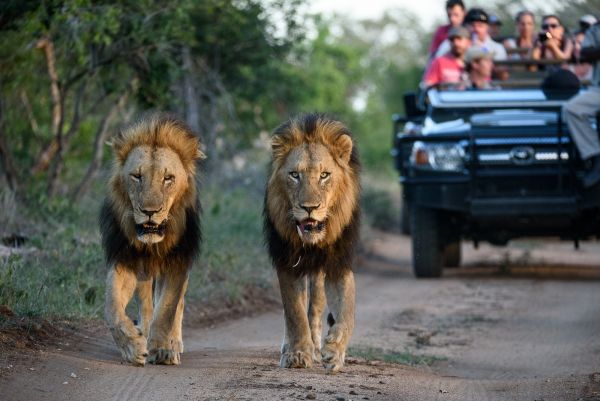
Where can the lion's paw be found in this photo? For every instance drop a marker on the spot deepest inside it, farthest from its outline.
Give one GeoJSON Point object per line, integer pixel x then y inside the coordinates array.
{"type": "Point", "coordinates": [333, 357]}
{"type": "Point", "coordinates": [296, 359]}
{"type": "Point", "coordinates": [131, 343]}
{"type": "Point", "coordinates": [163, 356]}
{"type": "Point", "coordinates": [168, 353]}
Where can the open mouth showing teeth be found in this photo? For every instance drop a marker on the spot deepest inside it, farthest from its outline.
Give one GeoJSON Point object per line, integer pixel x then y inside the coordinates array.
{"type": "Point", "coordinates": [151, 228]}
{"type": "Point", "coordinates": [308, 226]}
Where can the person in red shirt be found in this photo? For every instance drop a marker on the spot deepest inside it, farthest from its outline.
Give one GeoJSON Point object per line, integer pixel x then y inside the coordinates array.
{"type": "Point", "coordinates": [455, 9]}
{"type": "Point", "coordinates": [449, 68]}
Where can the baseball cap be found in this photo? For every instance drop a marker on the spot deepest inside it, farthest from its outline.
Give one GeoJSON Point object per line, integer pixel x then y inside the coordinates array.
{"type": "Point", "coordinates": [458, 32]}
{"type": "Point", "coordinates": [476, 53]}
{"type": "Point", "coordinates": [588, 19]}
{"type": "Point", "coordinates": [476, 14]}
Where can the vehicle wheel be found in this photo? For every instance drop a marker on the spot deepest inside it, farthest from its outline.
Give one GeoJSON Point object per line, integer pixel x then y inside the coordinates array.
{"type": "Point", "coordinates": [426, 244]}
{"type": "Point", "coordinates": [452, 254]}
{"type": "Point", "coordinates": [405, 217]}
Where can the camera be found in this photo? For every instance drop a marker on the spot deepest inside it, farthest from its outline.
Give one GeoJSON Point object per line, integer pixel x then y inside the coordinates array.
{"type": "Point", "coordinates": [544, 36]}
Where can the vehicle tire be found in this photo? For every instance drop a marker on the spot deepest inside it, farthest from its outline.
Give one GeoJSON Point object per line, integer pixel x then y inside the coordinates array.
{"type": "Point", "coordinates": [426, 242]}
{"type": "Point", "coordinates": [452, 254]}
{"type": "Point", "coordinates": [405, 217]}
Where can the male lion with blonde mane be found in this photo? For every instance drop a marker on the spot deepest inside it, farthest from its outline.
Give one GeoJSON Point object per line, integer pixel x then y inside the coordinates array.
{"type": "Point", "coordinates": [151, 235]}
{"type": "Point", "coordinates": [311, 226]}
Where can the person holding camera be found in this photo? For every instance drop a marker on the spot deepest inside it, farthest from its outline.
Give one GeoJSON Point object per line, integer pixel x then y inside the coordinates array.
{"type": "Point", "coordinates": [581, 110]}
{"type": "Point", "coordinates": [552, 43]}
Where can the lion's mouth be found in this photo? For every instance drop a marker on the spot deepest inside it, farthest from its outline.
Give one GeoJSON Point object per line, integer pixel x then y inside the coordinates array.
{"type": "Point", "coordinates": [151, 228]}
{"type": "Point", "coordinates": [309, 226]}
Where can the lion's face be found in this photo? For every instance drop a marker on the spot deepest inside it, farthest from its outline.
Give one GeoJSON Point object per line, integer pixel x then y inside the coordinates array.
{"type": "Point", "coordinates": [313, 190]}
{"type": "Point", "coordinates": [154, 178]}
{"type": "Point", "coordinates": [311, 176]}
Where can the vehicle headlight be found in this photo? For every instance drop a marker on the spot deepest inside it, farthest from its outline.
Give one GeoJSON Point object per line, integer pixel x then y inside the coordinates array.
{"type": "Point", "coordinates": [437, 156]}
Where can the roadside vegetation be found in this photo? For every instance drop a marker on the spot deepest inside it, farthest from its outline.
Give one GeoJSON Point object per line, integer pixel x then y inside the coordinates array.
{"type": "Point", "coordinates": [406, 357]}
{"type": "Point", "coordinates": [74, 71]}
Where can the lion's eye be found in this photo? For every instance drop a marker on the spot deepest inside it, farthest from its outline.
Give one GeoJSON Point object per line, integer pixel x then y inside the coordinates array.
{"type": "Point", "coordinates": [169, 179]}
{"type": "Point", "coordinates": [136, 177]}
{"type": "Point", "coordinates": [294, 175]}
{"type": "Point", "coordinates": [325, 174]}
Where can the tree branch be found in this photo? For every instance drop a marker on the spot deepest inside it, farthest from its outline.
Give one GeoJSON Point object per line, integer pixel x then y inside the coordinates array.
{"type": "Point", "coordinates": [62, 142]}
{"type": "Point", "coordinates": [35, 127]}
{"type": "Point", "coordinates": [99, 140]}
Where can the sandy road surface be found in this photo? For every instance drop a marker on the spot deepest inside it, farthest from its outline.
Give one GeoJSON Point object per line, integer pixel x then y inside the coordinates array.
{"type": "Point", "coordinates": [522, 325]}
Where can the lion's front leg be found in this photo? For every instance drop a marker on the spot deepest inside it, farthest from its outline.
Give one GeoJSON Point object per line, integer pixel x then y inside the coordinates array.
{"type": "Point", "coordinates": [165, 341]}
{"type": "Point", "coordinates": [340, 298]}
{"type": "Point", "coordinates": [297, 350]}
{"type": "Point", "coordinates": [120, 286]}
{"type": "Point", "coordinates": [316, 306]}
{"type": "Point", "coordinates": [144, 297]}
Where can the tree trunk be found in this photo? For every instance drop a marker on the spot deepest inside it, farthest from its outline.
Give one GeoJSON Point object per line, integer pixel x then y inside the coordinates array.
{"type": "Point", "coordinates": [6, 162]}
{"type": "Point", "coordinates": [99, 140]}
{"type": "Point", "coordinates": [10, 172]}
{"type": "Point", "coordinates": [63, 141]}
{"type": "Point", "coordinates": [190, 92]}
{"type": "Point", "coordinates": [44, 159]}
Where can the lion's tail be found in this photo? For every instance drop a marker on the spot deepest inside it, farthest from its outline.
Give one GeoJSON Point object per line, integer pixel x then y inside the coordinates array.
{"type": "Point", "coordinates": [330, 320]}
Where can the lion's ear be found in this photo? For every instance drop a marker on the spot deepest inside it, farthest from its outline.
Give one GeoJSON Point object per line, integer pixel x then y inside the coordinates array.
{"type": "Point", "coordinates": [200, 155]}
{"type": "Point", "coordinates": [278, 145]}
{"type": "Point", "coordinates": [118, 146]}
{"type": "Point", "coordinates": [343, 147]}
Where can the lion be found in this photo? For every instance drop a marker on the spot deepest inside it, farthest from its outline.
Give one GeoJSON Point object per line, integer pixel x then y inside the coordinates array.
{"type": "Point", "coordinates": [311, 225]}
{"type": "Point", "coordinates": [150, 228]}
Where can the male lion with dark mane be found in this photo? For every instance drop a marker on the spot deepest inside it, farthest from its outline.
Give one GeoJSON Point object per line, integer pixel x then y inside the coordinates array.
{"type": "Point", "coordinates": [151, 235]}
{"type": "Point", "coordinates": [311, 223]}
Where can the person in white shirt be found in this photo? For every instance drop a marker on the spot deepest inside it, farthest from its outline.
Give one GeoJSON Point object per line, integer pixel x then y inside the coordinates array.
{"type": "Point", "coordinates": [581, 110]}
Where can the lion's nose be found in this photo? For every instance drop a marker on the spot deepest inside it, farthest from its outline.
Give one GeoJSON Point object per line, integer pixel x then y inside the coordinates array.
{"type": "Point", "coordinates": [310, 208]}
{"type": "Point", "coordinates": [149, 212]}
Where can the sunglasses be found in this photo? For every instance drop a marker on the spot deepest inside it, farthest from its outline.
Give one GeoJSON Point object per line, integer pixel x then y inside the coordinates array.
{"type": "Point", "coordinates": [550, 26]}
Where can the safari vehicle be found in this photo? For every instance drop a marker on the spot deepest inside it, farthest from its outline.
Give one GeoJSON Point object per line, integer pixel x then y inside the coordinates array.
{"type": "Point", "coordinates": [491, 166]}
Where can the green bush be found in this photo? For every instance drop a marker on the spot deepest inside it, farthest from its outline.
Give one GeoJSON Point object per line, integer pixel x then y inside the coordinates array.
{"type": "Point", "coordinates": [233, 256]}
{"type": "Point", "coordinates": [381, 202]}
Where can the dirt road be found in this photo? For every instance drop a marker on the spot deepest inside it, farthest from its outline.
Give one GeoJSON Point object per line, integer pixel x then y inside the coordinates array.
{"type": "Point", "coordinates": [516, 325]}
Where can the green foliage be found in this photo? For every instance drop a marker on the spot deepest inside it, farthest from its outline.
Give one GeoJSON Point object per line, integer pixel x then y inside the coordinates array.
{"type": "Point", "coordinates": [381, 207]}
{"type": "Point", "coordinates": [233, 257]}
{"type": "Point", "coordinates": [59, 274]}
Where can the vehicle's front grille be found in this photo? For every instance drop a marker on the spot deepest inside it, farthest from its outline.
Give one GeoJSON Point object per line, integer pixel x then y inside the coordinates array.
{"type": "Point", "coordinates": [523, 166]}
{"type": "Point", "coordinates": [506, 158]}
{"type": "Point", "coordinates": [521, 152]}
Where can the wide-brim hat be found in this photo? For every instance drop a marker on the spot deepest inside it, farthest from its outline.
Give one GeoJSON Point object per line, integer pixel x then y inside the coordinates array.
{"type": "Point", "coordinates": [588, 19]}
{"type": "Point", "coordinates": [476, 53]}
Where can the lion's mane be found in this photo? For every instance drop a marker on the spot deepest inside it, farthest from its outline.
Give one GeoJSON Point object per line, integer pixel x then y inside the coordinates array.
{"type": "Point", "coordinates": [183, 235]}
{"type": "Point", "coordinates": [336, 253]}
